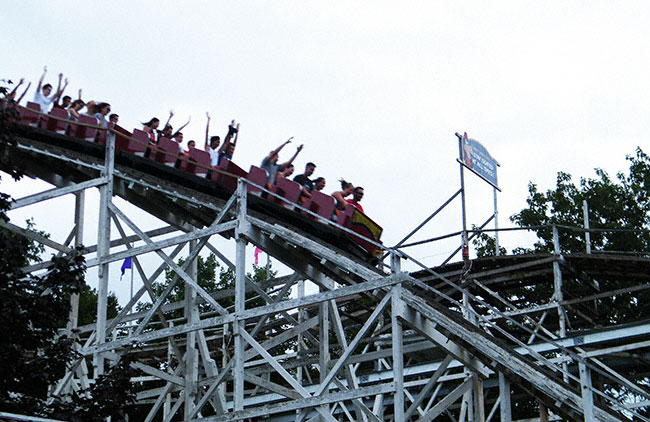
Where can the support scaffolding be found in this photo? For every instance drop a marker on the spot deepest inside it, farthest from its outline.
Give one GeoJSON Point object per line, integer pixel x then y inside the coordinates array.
{"type": "Point", "coordinates": [375, 343]}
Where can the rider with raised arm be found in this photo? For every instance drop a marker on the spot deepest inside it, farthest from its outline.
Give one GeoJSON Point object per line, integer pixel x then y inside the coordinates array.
{"type": "Point", "coordinates": [270, 162]}
{"type": "Point", "coordinates": [228, 147]}
{"type": "Point", "coordinates": [42, 95]}
{"type": "Point", "coordinates": [211, 144]}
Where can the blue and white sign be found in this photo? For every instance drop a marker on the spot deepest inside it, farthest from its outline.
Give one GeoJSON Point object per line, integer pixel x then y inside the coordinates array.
{"type": "Point", "coordinates": [476, 158]}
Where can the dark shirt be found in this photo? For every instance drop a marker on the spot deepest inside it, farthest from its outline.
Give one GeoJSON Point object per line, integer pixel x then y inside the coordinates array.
{"type": "Point", "coordinates": [222, 156]}
{"type": "Point", "coordinates": [304, 181]}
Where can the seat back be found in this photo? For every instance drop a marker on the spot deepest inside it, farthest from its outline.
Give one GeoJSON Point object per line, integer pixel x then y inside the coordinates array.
{"type": "Point", "coordinates": [258, 176]}
{"type": "Point", "coordinates": [83, 132]}
{"type": "Point", "coordinates": [28, 115]}
{"type": "Point", "coordinates": [287, 189]}
{"type": "Point", "coordinates": [100, 138]}
{"type": "Point", "coordinates": [186, 163]}
{"type": "Point", "coordinates": [202, 160]}
{"type": "Point", "coordinates": [218, 175]}
{"type": "Point", "coordinates": [121, 138]}
{"type": "Point", "coordinates": [165, 152]}
{"type": "Point", "coordinates": [59, 123]}
{"type": "Point", "coordinates": [346, 216]}
{"type": "Point", "coordinates": [136, 143]}
{"type": "Point", "coordinates": [321, 204]}
{"type": "Point", "coordinates": [229, 181]}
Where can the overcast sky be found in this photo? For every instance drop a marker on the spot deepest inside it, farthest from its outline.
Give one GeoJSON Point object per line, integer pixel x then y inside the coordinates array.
{"type": "Point", "coordinates": [375, 90]}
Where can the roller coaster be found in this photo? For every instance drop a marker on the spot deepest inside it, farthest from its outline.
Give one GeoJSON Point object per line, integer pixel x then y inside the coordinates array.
{"type": "Point", "coordinates": [375, 343]}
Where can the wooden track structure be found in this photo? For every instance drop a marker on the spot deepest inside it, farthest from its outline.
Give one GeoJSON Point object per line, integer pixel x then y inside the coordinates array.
{"type": "Point", "coordinates": [374, 344]}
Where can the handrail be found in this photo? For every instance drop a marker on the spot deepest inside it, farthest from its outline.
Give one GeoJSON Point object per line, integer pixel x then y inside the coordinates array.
{"type": "Point", "coordinates": [526, 228]}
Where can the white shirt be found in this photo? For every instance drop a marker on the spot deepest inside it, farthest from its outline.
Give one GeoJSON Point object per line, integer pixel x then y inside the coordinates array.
{"type": "Point", "coordinates": [214, 157]}
{"type": "Point", "coordinates": [43, 101]}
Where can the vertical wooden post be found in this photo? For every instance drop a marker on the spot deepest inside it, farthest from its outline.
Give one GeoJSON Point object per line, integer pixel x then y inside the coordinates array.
{"type": "Point", "coordinates": [191, 352]}
{"type": "Point", "coordinates": [505, 407]}
{"type": "Point", "coordinates": [324, 348]}
{"type": "Point", "coordinates": [240, 298]}
{"type": "Point", "coordinates": [587, 392]}
{"type": "Point", "coordinates": [103, 248]}
{"type": "Point", "coordinates": [397, 340]}
{"type": "Point", "coordinates": [79, 205]}
{"type": "Point", "coordinates": [559, 296]}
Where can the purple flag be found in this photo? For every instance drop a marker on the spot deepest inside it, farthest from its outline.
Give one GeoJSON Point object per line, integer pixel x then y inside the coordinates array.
{"type": "Point", "coordinates": [126, 265]}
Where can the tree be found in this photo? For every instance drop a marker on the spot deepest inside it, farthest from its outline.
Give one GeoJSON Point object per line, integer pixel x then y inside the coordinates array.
{"type": "Point", "coordinates": [34, 355]}
{"type": "Point", "coordinates": [621, 205]}
{"type": "Point", "coordinates": [88, 306]}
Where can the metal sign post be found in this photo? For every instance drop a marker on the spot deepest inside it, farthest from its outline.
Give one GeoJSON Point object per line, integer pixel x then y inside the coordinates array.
{"type": "Point", "coordinates": [496, 224]}
{"type": "Point", "coordinates": [475, 157]}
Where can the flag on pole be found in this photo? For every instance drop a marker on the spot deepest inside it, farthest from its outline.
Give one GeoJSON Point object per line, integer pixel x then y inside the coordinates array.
{"type": "Point", "coordinates": [257, 253]}
{"type": "Point", "coordinates": [126, 265]}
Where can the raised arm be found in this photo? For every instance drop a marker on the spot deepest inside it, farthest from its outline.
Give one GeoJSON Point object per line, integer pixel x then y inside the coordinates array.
{"type": "Point", "coordinates": [79, 94]}
{"type": "Point", "coordinates": [228, 141]}
{"type": "Point", "coordinates": [278, 149]}
{"type": "Point", "coordinates": [207, 132]}
{"type": "Point", "coordinates": [25, 92]}
{"type": "Point", "coordinates": [234, 142]}
{"type": "Point", "coordinates": [293, 157]}
{"type": "Point", "coordinates": [40, 81]}
{"type": "Point", "coordinates": [169, 119]}
{"type": "Point", "coordinates": [181, 128]}
{"type": "Point", "coordinates": [12, 94]}
{"type": "Point", "coordinates": [58, 91]}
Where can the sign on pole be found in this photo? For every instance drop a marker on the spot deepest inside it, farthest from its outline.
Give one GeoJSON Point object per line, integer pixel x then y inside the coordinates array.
{"type": "Point", "coordinates": [478, 160]}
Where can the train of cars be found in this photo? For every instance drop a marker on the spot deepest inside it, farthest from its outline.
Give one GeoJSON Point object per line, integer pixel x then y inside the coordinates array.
{"type": "Point", "coordinates": [285, 193]}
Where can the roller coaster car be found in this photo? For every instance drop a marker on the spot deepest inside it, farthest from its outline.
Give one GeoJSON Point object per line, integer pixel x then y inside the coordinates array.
{"type": "Point", "coordinates": [320, 204]}
{"type": "Point", "coordinates": [287, 189]}
{"type": "Point", "coordinates": [196, 161]}
{"type": "Point", "coordinates": [258, 176]}
{"type": "Point", "coordinates": [228, 175]}
{"type": "Point", "coordinates": [85, 128]}
{"type": "Point", "coordinates": [135, 144]}
{"type": "Point", "coordinates": [28, 115]}
{"type": "Point", "coordinates": [60, 123]}
{"type": "Point", "coordinates": [165, 152]}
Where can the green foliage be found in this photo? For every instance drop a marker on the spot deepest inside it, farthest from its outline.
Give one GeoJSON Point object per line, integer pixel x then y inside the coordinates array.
{"type": "Point", "coordinates": [485, 245]}
{"type": "Point", "coordinates": [88, 306]}
{"type": "Point", "coordinates": [34, 308]}
{"type": "Point", "coordinates": [619, 207]}
{"type": "Point", "coordinates": [613, 204]}
{"type": "Point", "coordinates": [8, 116]}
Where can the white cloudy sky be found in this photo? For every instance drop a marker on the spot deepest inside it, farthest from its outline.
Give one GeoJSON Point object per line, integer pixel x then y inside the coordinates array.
{"type": "Point", "coordinates": [374, 89]}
